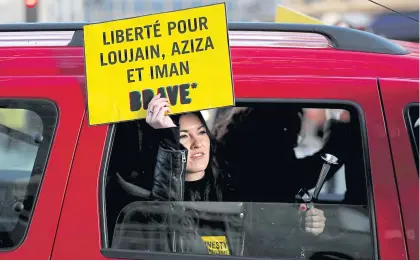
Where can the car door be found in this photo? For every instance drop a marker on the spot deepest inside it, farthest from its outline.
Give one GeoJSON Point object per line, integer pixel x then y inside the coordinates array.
{"type": "Point", "coordinates": [365, 225]}
{"type": "Point", "coordinates": [401, 106]}
{"type": "Point", "coordinates": [40, 120]}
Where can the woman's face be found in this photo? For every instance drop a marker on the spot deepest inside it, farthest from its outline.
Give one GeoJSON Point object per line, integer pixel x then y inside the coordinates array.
{"type": "Point", "coordinates": [194, 137]}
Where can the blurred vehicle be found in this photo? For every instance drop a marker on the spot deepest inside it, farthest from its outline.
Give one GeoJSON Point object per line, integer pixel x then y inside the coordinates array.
{"type": "Point", "coordinates": [60, 197]}
{"type": "Point", "coordinates": [396, 26]}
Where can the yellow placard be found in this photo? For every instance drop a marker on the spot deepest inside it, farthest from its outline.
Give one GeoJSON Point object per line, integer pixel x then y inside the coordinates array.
{"type": "Point", "coordinates": [183, 55]}
{"type": "Point", "coordinates": [287, 15]}
{"type": "Point", "coordinates": [216, 245]}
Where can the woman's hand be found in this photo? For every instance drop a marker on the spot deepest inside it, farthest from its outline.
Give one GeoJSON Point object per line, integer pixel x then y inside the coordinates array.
{"type": "Point", "coordinates": [314, 221]}
{"type": "Point", "coordinates": [157, 113]}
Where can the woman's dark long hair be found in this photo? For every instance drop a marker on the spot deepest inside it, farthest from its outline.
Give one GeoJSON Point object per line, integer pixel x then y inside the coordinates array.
{"type": "Point", "coordinates": [214, 177]}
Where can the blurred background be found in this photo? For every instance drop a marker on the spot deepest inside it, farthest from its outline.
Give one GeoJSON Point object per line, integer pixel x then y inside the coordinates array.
{"type": "Point", "coordinates": [360, 14]}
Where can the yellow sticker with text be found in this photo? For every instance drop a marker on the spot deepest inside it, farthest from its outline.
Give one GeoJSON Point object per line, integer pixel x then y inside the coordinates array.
{"type": "Point", "coordinates": [181, 55]}
{"type": "Point", "coordinates": [216, 245]}
{"type": "Point", "coordinates": [13, 118]}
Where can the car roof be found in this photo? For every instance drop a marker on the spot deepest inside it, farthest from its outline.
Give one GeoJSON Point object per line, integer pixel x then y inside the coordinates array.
{"type": "Point", "coordinates": [339, 38]}
{"type": "Point", "coordinates": [314, 50]}
{"type": "Point", "coordinates": [236, 38]}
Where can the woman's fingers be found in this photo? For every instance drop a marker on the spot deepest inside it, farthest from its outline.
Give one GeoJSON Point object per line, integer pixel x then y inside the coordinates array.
{"type": "Point", "coordinates": [162, 112]}
{"type": "Point", "coordinates": [161, 103]}
{"type": "Point", "coordinates": [150, 106]}
{"type": "Point", "coordinates": [157, 113]}
{"type": "Point", "coordinates": [155, 101]}
{"type": "Point", "coordinates": [152, 101]}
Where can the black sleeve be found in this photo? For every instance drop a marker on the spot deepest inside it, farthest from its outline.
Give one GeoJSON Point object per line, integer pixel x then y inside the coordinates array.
{"type": "Point", "coordinates": [169, 173]}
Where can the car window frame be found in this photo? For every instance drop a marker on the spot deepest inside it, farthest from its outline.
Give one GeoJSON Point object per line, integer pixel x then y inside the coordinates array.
{"type": "Point", "coordinates": [410, 131]}
{"type": "Point", "coordinates": [108, 252]}
{"type": "Point", "coordinates": [38, 106]}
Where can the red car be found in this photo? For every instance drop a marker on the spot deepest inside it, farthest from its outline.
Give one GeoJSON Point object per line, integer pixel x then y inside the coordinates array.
{"type": "Point", "coordinates": [66, 187]}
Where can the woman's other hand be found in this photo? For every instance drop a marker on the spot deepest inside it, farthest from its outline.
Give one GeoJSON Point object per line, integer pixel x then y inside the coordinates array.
{"type": "Point", "coordinates": [314, 221]}
{"type": "Point", "coordinates": [157, 111]}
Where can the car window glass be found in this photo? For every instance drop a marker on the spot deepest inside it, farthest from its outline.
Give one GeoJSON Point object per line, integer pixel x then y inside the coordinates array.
{"type": "Point", "coordinates": [26, 129]}
{"type": "Point", "coordinates": [264, 161]}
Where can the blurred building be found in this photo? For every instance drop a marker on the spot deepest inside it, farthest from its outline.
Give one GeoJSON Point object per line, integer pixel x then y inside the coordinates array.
{"type": "Point", "coordinates": [12, 11]}
{"type": "Point", "coordinates": [99, 10]}
{"type": "Point", "coordinates": [318, 8]}
{"type": "Point", "coordinates": [360, 14]}
{"type": "Point", "coordinates": [366, 15]}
